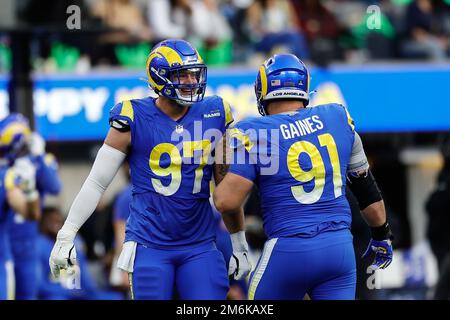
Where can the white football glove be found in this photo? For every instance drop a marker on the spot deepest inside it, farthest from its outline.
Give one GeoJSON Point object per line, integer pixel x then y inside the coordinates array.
{"type": "Point", "coordinates": [239, 266]}
{"type": "Point", "coordinates": [36, 144]}
{"type": "Point", "coordinates": [63, 255]}
{"type": "Point", "coordinates": [26, 170]}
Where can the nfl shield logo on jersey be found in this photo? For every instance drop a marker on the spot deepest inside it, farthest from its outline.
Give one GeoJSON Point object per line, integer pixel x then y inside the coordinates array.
{"type": "Point", "coordinates": [179, 129]}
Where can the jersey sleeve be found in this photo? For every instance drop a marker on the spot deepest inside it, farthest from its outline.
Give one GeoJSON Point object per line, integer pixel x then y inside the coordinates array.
{"type": "Point", "coordinates": [243, 159]}
{"type": "Point", "coordinates": [121, 116]}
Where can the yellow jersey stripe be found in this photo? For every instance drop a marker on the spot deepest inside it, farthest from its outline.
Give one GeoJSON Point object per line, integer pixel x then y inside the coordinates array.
{"type": "Point", "coordinates": [127, 110]}
{"type": "Point", "coordinates": [259, 271]}
{"type": "Point", "coordinates": [228, 115]}
{"type": "Point", "coordinates": [130, 280]}
{"type": "Point", "coordinates": [244, 139]}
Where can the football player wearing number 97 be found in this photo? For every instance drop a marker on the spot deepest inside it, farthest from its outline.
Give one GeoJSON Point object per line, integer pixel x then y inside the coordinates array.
{"type": "Point", "coordinates": [170, 233]}
{"type": "Point", "coordinates": [306, 214]}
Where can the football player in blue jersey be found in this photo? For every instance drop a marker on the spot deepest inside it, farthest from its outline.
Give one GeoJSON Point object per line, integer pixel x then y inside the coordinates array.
{"type": "Point", "coordinates": [169, 141]}
{"type": "Point", "coordinates": [17, 193]}
{"type": "Point", "coordinates": [300, 158]}
{"type": "Point", "coordinates": [23, 232]}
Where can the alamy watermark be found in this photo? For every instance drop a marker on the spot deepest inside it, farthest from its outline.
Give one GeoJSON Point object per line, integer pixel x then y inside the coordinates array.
{"type": "Point", "coordinates": [74, 20]}
{"type": "Point", "coordinates": [373, 21]}
{"type": "Point", "coordinates": [252, 146]}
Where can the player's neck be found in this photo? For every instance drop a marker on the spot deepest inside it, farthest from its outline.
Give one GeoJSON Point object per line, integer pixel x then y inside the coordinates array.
{"type": "Point", "coordinates": [170, 108]}
{"type": "Point", "coordinates": [282, 106]}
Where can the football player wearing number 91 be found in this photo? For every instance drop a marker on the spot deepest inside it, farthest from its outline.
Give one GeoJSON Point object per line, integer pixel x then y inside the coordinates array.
{"type": "Point", "coordinates": [170, 233]}
{"type": "Point", "coordinates": [306, 214]}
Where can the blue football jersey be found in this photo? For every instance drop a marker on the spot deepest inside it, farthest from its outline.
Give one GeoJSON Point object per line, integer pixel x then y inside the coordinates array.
{"type": "Point", "coordinates": [8, 179]}
{"type": "Point", "coordinates": [298, 160]}
{"type": "Point", "coordinates": [171, 167]}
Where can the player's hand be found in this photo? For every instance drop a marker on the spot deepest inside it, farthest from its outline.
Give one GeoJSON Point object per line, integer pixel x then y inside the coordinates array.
{"type": "Point", "coordinates": [240, 266]}
{"type": "Point", "coordinates": [26, 171]}
{"type": "Point", "coordinates": [383, 253]}
{"type": "Point", "coordinates": [63, 255]}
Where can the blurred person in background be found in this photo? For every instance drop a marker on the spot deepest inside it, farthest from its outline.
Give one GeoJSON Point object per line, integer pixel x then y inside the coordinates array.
{"type": "Point", "coordinates": [273, 26]}
{"type": "Point", "coordinates": [128, 26]}
{"type": "Point", "coordinates": [123, 15]}
{"type": "Point", "coordinates": [438, 209]}
{"type": "Point", "coordinates": [427, 36]}
{"type": "Point", "coordinates": [121, 211]}
{"type": "Point", "coordinates": [198, 21]}
{"type": "Point", "coordinates": [235, 11]}
{"type": "Point", "coordinates": [77, 283]}
{"type": "Point", "coordinates": [320, 28]}
{"type": "Point", "coordinates": [17, 194]}
{"type": "Point", "coordinates": [169, 237]}
{"type": "Point", "coordinates": [442, 289]}
{"type": "Point", "coordinates": [211, 33]}
{"type": "Point", "coordinates": [307, 217]}
{"type": "Point", "coordinates": [23, 232]}
{"type": "Point", "coordinates": [170, 19]}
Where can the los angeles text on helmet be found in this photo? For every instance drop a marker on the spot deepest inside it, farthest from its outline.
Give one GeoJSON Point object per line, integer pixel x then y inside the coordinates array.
{"type": "Point", "coordinates": [288, 93]}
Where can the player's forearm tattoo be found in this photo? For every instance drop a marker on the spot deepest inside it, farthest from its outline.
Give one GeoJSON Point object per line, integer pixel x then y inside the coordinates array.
{"type": "Point", "coordinates": [223, 169]}
{"type": "Point", "coordinates": [220, 172]}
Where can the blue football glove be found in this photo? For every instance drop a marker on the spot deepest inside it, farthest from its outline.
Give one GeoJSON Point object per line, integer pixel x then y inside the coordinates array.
{"type": "Point", "coordinates": [383, 253]}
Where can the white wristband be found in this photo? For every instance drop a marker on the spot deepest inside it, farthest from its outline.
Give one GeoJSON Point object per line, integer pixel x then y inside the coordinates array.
{"type": "Point", "coordinates": [69, 229]}
{"type": "Point", "coordinates": [66, 235]}
{"type": "Point", "coordinates": [238, 241]}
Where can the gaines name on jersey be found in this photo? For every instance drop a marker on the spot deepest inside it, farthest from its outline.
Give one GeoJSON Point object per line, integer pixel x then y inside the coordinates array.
{"type": "Point", "coordinates": [301, 127]}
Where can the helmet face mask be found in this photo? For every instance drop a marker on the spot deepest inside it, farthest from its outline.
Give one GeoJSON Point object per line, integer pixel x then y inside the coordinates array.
{"type": "Point", "coordinates": [189, 83]}
{"type": "Point", "coordinates": [282, 76]}
{"type": "Point", "coordinates": [176, 71]}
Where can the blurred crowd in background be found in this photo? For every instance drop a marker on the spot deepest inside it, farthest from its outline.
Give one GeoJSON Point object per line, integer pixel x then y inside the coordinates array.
{"type": "Point", "coordinates": [234, 32]}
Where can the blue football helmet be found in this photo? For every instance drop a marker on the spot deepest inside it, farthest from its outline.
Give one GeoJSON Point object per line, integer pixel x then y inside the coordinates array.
{"type": "Point", "coordinates": [15, 133]}
{"type": "Point", "coordinates": [170, 61]}
{"type": "Point", "coordinates": [282, 76]}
